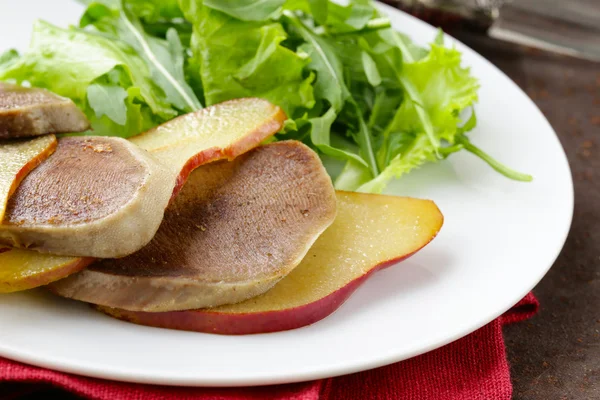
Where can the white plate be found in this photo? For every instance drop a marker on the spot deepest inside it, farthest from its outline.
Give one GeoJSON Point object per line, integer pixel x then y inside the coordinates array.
{"type": "Point", "coordinates": [499, 239]}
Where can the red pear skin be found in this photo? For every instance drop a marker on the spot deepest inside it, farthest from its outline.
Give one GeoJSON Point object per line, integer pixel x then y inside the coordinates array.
{"type": "Point", "coordinates": [244, 324]}
{"type": "Point", "coordinates": [222, 138]}
{"type": "Point", "coordinates": [357, 212]}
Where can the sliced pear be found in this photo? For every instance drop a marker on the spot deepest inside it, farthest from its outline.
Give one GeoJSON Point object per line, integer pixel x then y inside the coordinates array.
{"type": "Point", "coordinates": [234, 231]}
{"type": "Point", "coordinates": [19, 158]}
{"type": "Point", "coordinates": [369, 233]}
{"type": "Point", "coordinates": [22, 269]}
{"type": "Point", "coordinates": [223, 131]}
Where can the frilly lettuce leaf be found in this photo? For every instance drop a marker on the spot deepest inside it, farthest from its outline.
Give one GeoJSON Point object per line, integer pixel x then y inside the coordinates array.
{"type": "Point", "coordinates": [355, 90]}
{"type": "Point", "coordinates": [68, 61]}
{"type": "Point", "coordinates": [236, 58]}
{"type": "Point", "coordinates": [164, 58]}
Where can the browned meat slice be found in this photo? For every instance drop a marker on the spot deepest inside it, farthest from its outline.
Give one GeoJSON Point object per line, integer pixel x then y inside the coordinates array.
{"type": "Point", "coordinates": [222, 131]}
{"type": "Point", "coordinates": [234, 231]}
{"type": "Point", "coordinates": [94, 197]}
{"type": "Point", "coordinates": [26, 112]}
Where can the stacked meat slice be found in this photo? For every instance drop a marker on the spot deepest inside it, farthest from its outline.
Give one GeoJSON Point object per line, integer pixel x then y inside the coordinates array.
{"type": "Point", "coordinates": [194, 213]}
{"type": "Point", "coordinates": [237, 228]}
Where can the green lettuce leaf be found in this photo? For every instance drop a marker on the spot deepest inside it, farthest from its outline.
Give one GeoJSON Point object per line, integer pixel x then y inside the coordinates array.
{"type": "Point", "coordinates": [246, 10]}
{"type": "Point", "coordinates": [109, 100]}
{"type": "Point", "coordinates": [436, 90]}
{"type": "Point", "coordinates": [150, 11]}
{"type": "Point", "coordinates": [164, 58]}
{"type": "Point", "coordinates": [374, 104]}
{"type": "Point", "coordinates": [236, 58]}
{"type": "Point", "coordinates": [68, 61]}
{"type": "Point", "coordinates": [7, 57]}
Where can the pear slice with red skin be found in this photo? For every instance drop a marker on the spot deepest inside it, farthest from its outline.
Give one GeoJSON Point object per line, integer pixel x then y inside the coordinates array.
{"type": "Point", "coordinates": [255, 121]}
{"type": "Point", "coordinates": [223, 131]}
{"type": "Point", "coordinates": [370, 232]}
{"type": "Point", "coordinates": [233, 232]}
{"type": "Point", "coordinates": [17, 159]}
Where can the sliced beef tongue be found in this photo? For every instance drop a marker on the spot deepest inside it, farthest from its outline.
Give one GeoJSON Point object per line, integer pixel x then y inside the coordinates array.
{"type": "Point", "coordinates": [26, 112]}
{"type": "Point", "coordinates": [54, 208]}
{"type": "Point", "coordinates": [94, 197]}
{"type": "Point", "coordinates": [234, 231]}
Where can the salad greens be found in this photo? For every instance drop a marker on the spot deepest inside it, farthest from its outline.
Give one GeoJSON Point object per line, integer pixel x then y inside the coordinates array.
{"type": "Point", "coordinates": [354, 89]}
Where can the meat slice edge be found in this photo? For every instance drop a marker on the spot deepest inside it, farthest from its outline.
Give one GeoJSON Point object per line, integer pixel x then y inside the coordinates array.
{"type": "Point", "coordinates": [94, 197]}
{"type": "Point", "coordinates": [27, 112]}
{"type": "Point", "coordinates": [234, 231]}
{"type": "Point", "coordinates": [255, 120]}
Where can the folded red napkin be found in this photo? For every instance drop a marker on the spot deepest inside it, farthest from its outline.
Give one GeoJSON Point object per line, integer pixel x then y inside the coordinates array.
{"type": "Point", "coordinates": [472, 368]}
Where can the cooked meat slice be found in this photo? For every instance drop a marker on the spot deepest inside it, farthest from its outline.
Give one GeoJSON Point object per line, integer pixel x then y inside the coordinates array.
{"type": "Point", "coordinates": [17, 159]}
{"type": "Point", "coordinates": [222, 131]}
{"type": "Point", "coordinates": [235, 229]}
{"type": "Point", "coordinates": [370, 232]}
{"type": "Point", "coordinates": [94, 197]}
{"type": "Point", "coordinates": [26, 112]}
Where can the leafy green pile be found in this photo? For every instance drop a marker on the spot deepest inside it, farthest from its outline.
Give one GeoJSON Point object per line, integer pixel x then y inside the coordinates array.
{"type": "Point", "coordinates": [354, 89]}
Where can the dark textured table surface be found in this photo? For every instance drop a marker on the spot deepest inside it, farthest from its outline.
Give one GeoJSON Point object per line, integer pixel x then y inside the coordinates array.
{"type": "Point", "coordinates": [556, 355]}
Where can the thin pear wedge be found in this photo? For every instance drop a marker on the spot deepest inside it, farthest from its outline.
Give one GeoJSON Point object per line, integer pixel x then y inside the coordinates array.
{"type": "Point", "coordinates": [370, 232]}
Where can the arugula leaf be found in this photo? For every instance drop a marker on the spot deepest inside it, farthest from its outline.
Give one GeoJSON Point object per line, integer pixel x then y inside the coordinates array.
{"type": "Point", "coordinates": [68, 61]}
{"type": "Point", "coordinates": [246, 10]}
{"type": "Point", "coordinates": [320, 136]}
{"type": "Point", "coordinates": [108, 100]}
{"type": "Point", "coordinates": [165, 58]}
{"type": "Point", "coordinates": [499, 167]}
{"type": "Point", "coordinates": [166, 66]}
{"type": "Point", "coordinates": [435, 91]}
{"type": "Point", "coordinates": [370, 69]}
{"type": "Point", "coordinates": [360, 93]}
{"type": "Point", "coordinates": [463, 142]}
{"type": "Point", "coordinates": [237, 58]}
{"type": "Point", "coordinates": [330, 85]}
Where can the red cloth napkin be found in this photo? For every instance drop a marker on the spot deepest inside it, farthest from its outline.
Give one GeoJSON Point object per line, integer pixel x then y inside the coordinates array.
{"type": "Point", "coordinates": [472, 368]}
